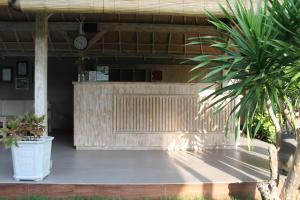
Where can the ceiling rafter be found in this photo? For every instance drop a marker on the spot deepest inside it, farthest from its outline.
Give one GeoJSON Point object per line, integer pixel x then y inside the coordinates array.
{"type": "Point", "coordinates": [171, 44]}
{"type": "Point", "coordinates": [26, 16]}
{"type": "Point", "coordinates": [137, 42]}
{"type": "Point", "coordinates": [153, 35]}
{"type": "Point", "coordinates": [153, 42]}
{"type": "Point", "coordinates": [102, 41]}
{"type": "Point", "coordinates": [94, 53]}
{"type": "Point", "coordinates": [185, 41]}
{"type": "Point", "coordinates": [201, 47]}
{"type": "Point", "coordinates": [170, 35]}
{"type": "Point", "coordinates": [120, 41]}
{"type": "Point", "coordinates": [130, 27]}
{"type": "Point", "coordinates": [67, 38]}
{"type": "Point", "coordinates": [9, 14]}
{"type": "Point", "coordinates": [18, 40]}
{"type": "Point", "coordinates": [3, 44]}
{"type": "Point", "coordinates": [50, 40]}
{"type": "Point", "coordinates": [144, 47]}
{"type": "Point", "coordinates": [94, 40]}
{"type": "Point", "coordinates": [32, 31]}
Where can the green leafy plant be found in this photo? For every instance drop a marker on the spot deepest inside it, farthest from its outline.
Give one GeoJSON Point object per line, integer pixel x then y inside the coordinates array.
{"type": "Point", "coordinates": [258, 69]}
{"type": "Point", "coordinates": [259, 49]}
{"type": "Point", "coordinates": [27, 127]}
{"type": "Point", "coordinates": [266, 131]}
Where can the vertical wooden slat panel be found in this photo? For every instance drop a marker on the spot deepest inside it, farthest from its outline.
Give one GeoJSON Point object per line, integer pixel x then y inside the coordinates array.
{"type": "Point", "coordinates": [138, 111]}
{"type": "Point", "coordinates": [173, 114]}
{"type": "Point", "coordinates": [134, 122]}
{"type": "Point", "coordinates": [147, 114]}
{"type": "Point", "coordinates": [195, 114]}
{"type": "Point", "coordinates": [120, 118]}
{"type": "Point", "coordinates": [160, 113]}
{"type": "Point", "coordinates": [170, 114]}
{"type": "Point", "coordinates": [142, 125]}
{"type": "Point", "coordinates": [115, 113]}
{"type": "Point", "coordinates": [126, 113]}
{"type": "Point", "coordinates": [176, 113]}
{"type": "Point", "coordinates": [132, 113]}
{"type": "Point", "coordinates": [185, 114]}
{"type": "Point", "coordinates": [165, 113]}
{"type": "Point", "coordinates": [157, 114]}
{"type": "Point", "coordinates": [150, 114]}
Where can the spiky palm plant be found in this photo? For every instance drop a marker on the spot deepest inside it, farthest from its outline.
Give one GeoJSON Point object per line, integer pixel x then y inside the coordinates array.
{"type": "Point", "coordinates": [260, 50]}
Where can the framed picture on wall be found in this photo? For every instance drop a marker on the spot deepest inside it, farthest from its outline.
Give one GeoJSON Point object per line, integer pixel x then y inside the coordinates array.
{"type": "Point", "coordinates": [22, 83]}
{"type": "Point", "coordinates": [7, 74]}
{"type": "Point", "coordinates": [22, 68]}
{"type": "Point", "coordinates": [156, 75]}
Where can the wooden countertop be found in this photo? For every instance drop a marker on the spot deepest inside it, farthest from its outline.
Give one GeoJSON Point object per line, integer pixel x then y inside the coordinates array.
{"type": "Point", "coordinates": [135, 83]}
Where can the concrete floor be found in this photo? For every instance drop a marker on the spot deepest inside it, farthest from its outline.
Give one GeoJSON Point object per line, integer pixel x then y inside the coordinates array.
{"type": "Point", "coordinates": [148, 167]}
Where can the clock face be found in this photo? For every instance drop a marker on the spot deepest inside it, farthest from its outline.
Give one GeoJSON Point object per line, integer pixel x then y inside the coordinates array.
{"type": "Point", "coordinates": [80, 42]}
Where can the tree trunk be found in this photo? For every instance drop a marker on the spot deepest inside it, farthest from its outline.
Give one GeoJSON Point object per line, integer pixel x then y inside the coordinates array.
{"type": "Point", "coordinates": [268, 189]}
{"type": "Point", "coordinates": [276, 123]}
{"type": "Point", "coordinates": [292, 182]}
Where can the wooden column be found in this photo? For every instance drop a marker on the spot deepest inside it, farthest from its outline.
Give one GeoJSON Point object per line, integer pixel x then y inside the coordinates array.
{"type": "Point", "coordinates": [41, 62]}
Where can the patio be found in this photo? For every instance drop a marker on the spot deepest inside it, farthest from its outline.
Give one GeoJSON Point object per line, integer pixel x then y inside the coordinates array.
{"type": "Point", "coordinates": [136, 174]}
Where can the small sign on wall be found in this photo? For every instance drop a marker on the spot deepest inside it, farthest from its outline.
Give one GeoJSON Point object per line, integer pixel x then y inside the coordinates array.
{"type": "Point", "coordinates": [22, 83]}
{"type": "Point", "coordinates": [102, 73]}
{"type": "Point", "coordinates": [22, 68]}
{"type": "Point", "coordinates": [7, 74]}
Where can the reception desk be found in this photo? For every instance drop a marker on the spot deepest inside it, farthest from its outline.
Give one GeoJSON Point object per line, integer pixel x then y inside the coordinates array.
{"type": "Point", "coordinates": [131, 116]}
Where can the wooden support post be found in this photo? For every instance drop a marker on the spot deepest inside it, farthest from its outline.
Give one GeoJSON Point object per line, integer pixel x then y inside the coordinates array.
{"type": "Point", "coordinates": [41, 62]}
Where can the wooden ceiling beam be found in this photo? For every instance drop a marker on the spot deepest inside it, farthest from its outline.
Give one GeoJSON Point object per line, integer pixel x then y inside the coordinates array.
{"type": "Point", "coordinates": [74, 54]}
{"type": "Point", "coordinates": [169, 41]}
{"type": "Point", "coordinates": [3, 44]}
{"type": "Point", "coordinates": [67, 38]}
{"type": "Point", "coordinates": [130, 27]}
{"type": "Point", "coordinates": [9, 14]}
{"type": "Point", "coordinates": [94, 40]}
{"type": "Point", "coordinates": [102, 42]}
{"type": "Point", "coordinates": [170, 35]}
{"type": "Point", "coordinates": [18, 40]}
{"type": "Point", "coordinates": [185, 42]}
{"type": "Point", "coordinates": [120, 41]}
{"type": "Point", "coordinates": [153, 42]}
{"type": "Point", "coordinates": [137, 42]}
{"type": "Point", "coordinates": [65, 46]}
{"type": "Point", "coordinates": [140, 27]}
{"type": "Point", "coordinates": [50, 40]}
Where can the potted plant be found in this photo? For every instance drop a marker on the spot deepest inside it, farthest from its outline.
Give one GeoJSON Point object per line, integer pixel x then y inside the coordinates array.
{"type": "Point", "coordinates": [31, 151]}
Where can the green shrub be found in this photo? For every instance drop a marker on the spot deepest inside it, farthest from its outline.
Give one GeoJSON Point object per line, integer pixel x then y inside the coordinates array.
{"type": "Point", "coordinates": [266, 131]}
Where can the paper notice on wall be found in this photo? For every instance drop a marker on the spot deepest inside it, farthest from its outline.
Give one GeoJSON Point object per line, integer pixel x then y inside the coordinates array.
{"type": "Point", "coordinates": [92, 75]}
{"type": "Point", "coordinates": [102, 73]}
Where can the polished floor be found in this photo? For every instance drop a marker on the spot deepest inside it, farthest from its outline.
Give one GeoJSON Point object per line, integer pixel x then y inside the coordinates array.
{"type": "Point", "coordinates": [148, 167]}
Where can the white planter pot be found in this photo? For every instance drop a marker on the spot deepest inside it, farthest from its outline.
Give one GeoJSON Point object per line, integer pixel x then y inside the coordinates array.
{"type": "Point", "coordinates": [31, 160]}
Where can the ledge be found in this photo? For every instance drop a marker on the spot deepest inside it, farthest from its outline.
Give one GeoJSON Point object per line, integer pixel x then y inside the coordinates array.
{"type": "Point", "coordinates": [135, 83]}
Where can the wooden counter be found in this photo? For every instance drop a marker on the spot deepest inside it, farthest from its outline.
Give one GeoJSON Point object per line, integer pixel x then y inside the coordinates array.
{"type": "Point", "coordinates": [117, 115]}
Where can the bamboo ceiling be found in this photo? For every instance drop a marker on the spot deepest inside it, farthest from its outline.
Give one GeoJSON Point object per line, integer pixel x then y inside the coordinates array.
{"type": "Point", "coordinates": [128, 35]}
{"type": "Point", "coordinates": [153, 7]}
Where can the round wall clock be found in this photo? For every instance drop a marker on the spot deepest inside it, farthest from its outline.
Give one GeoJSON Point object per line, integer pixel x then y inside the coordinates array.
{"type": "Point", "coordinates": [80, 42]}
